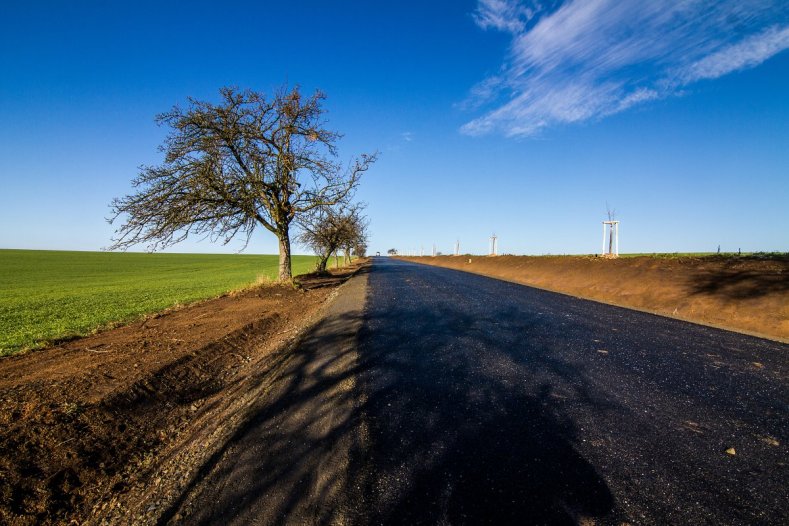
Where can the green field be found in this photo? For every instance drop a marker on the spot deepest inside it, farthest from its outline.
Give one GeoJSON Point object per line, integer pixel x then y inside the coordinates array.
{"type": "Point", "coordinates": [48, 295]}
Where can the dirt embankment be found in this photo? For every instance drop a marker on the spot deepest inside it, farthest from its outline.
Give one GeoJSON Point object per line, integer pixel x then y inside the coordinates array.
{"type": "Point", "coordinates": [747, 294]}
{"type": "Point", "coordinates": [91, 425]}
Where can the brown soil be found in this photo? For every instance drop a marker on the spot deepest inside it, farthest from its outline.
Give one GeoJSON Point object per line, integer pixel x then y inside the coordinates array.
{"type": "Point", "coordinates": [83, 421]}
{"type": "Point", "coordinates": [745, 294]}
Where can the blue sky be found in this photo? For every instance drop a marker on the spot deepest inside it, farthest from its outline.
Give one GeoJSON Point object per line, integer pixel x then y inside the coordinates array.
{"type": "Point", "coordinates": [520, 118]}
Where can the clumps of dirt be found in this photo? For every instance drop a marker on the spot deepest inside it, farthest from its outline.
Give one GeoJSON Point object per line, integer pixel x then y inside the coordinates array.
{"type": "Point", "coordinates": [82, 422]}
{"type": "Point", "coordinates": [748, 294]}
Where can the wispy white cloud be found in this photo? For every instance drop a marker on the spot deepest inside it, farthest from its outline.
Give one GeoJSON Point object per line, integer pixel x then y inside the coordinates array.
{"type": "Point", "coordinates": [504, 15]}
{"type": "Point", "coordinates": [586, 59]}
{"type": "Point", "coordinates": [752, 51]}
{"type": "Point", "coordinates": [400, 141]}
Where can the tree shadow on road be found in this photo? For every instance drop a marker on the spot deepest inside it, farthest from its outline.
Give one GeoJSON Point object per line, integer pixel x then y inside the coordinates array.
{"type": "Point", "coordinates": [458, 434]}
{"type": "Point", "coordinates": [430, 420]}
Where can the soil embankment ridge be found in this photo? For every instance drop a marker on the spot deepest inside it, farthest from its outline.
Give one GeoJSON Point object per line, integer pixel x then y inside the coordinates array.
{"type": "Point", "coordinates": [745, 294]}
{"type": "Point", "coordinates": [90, 424]}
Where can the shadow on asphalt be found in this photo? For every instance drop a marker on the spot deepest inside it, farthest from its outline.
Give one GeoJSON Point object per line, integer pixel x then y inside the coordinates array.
{"type": "Point", "coordinates": [454, 437]}
{"type": "Point", "coordinates": [414, 429]}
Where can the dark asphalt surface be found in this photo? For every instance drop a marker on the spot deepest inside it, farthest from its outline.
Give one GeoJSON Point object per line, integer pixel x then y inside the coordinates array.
{"type": "Point", "coordinates": [476, 401]}
{"type": "Point", "coordinates": [491, 402]}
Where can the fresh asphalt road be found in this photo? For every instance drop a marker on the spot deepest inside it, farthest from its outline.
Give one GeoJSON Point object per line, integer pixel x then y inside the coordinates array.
{"type": "Point", "coordinates": [476, 401]}
{"type": "Point", "coordinates": [491, 402]}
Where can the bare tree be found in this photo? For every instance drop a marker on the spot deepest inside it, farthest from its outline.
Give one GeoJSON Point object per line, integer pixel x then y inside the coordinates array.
{"type": "Point", "coordinates": [232, 166]}
{"type": "Point", "coordinates": [392, 251]}
{"type": "Point", "coordinates": [328, 229]}
{"type": "Point", "coordinates": [356, 234]}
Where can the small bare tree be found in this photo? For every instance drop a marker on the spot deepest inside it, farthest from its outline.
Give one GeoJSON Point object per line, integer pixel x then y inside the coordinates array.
{"type": "Point", "coordinates": [356, 234]}
{"type": "Point", "coordinates": [247, 161]}
{"type": "Point", "coordinates": [328, 229]}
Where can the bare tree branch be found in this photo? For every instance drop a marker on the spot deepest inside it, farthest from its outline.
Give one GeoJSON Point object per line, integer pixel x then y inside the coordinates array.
{"type": "Point", "coordinates": [247, 161]}
{"type": "Point", "coordinates": [327, 229]}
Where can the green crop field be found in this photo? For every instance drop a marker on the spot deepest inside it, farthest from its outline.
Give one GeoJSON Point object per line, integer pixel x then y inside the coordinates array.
{"type": "Point", "coordinates": [48, 295]}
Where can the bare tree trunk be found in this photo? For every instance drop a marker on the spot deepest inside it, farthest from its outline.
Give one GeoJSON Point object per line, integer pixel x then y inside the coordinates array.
{"type": "Point", "coordinates": [322, 262]}
{"type": "Point", "coordinates": [285, 273]}
{"type": "Point", "coordinates": [336, 260]}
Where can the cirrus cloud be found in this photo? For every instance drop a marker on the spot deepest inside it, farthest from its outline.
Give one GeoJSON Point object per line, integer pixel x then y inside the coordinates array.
{"type": "Point", "coordinates": [586, 59]}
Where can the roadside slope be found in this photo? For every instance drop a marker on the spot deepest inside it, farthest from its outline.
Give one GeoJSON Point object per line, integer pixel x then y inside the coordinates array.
{"type": "Point", "coordinates": [290, 461]}
{"type": "Point", "coordinates": [87, 425]}
{"type": "Point", "coordinates": [749, 295]}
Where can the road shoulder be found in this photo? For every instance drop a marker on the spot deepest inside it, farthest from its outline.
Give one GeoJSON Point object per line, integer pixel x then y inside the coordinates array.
{"type": "Point", "coordinates": [108, 428]}
{"type": "Point", "coordinates": [288, 459]}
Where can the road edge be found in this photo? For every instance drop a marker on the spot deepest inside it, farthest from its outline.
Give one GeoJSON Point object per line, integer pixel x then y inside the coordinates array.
{"type": "Point", "coordinates": [614, 304]}
{"type": "Point", "coordinates": [184, 462]}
